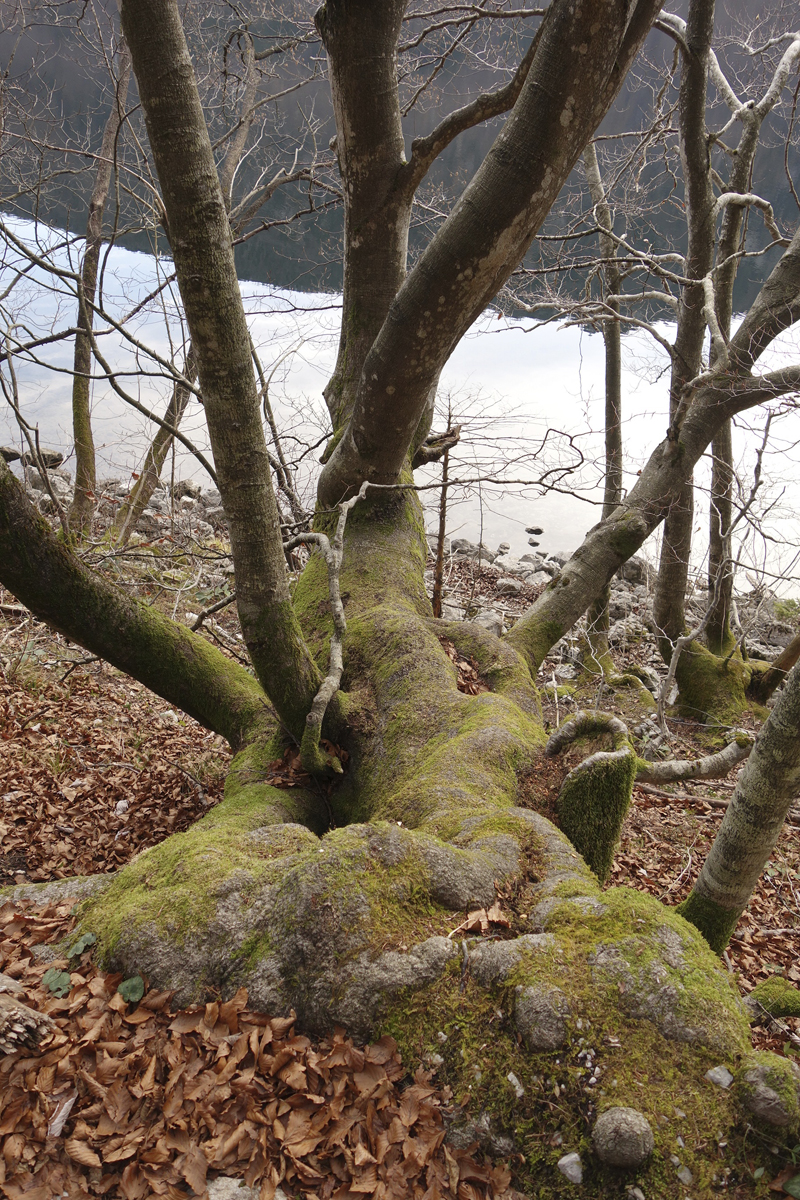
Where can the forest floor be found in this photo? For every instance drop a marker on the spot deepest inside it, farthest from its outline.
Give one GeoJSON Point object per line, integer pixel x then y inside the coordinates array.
{"type": "Point", "coordinates": [94, 769]}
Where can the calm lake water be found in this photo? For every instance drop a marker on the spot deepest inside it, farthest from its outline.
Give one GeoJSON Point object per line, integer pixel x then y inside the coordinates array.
{"type": "Point", "coordinates": [529, 399]}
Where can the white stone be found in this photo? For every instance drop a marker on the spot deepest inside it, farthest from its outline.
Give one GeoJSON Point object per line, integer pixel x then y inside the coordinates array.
{"type": "Point", "coordinates": [571, 1167]}
{"type": "Point", "coordinates": [720, 1075]}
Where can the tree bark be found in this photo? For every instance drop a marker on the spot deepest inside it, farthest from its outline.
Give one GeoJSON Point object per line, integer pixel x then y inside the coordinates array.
{"type": "Point", "coordinates": [765, 791]}
{"type": "Point", "coordinates": [719, 638]}
{"type": "Point", "coordinates": [166, 657]}
{"type": "Point", "coordinates": [83, 500]}
{"type": "Point", "coordinates": [200, 239]}
{"type": "Point", "coordinates": [132, 508]}
{"type": "Point", "coordinates": [597, 619]}
{"type": "Point", "coordinates": [564, 97]}
{"type": "Point", "coordinates": [668, 605]}
{"type": "Point", "coordinates": [361, 38]}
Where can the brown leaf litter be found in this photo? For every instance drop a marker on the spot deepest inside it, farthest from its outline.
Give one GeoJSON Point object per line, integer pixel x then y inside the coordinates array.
{"type": "Point", "coordinates": [136, 1100]}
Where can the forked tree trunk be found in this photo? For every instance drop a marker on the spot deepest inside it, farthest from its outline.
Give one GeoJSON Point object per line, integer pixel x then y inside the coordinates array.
{"type": "Point", "coordinates": [83, 500]}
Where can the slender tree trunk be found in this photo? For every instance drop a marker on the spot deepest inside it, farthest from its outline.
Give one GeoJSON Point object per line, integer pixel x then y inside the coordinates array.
{"type": "Point", "coordinates": [720, 551]}
{"type": "Point", "coordinates": [83, 499]}
{"type": "Point", "coordinates": [719, 638]}
{"type": "Point", "coordinates": [597, 617]}
{"type": "Point", "coordinates": [668, 607]}
{"type": "Point", "coordinates": [438, 573]}
{"type": "Point", "coordinates": [132, 508]}
{"type": "Point", "coordinates": [765, 791]}
{"type": "Point", "coordinates": [200, 238]}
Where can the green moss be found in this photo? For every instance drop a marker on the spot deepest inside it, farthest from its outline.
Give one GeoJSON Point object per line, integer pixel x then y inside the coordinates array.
{"type": "Point", "coordinates": [777, 1074]}
{"type": "Point", "coordinates": [472, 1031]}
{"type": "Point", "coordinates": [712, 688]}
{"type": "Point", "coordinates": [534, 637]}
{"type": "Point", "coordinates": [594, 800]}
{"type": "Point", "coordinates": [714, 922]}
{"type": "Point", "coordinates": [176, 884]}
{"type": "Point", "coordinates": [777, 996]}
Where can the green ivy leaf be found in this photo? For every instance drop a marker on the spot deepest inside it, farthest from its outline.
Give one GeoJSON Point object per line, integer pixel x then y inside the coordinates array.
{"type": "Point", "coordinates": [83, 942]}
{"type": "Point", "coordinates": [132, 989]}
{"type": "Point", "coordinates": [792, 1187]}
{"type": "Point", "coordinates": [58, 982]}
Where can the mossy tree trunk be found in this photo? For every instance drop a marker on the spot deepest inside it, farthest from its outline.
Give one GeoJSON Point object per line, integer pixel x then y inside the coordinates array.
{"type": "Point", "coordinates": [765, 791]}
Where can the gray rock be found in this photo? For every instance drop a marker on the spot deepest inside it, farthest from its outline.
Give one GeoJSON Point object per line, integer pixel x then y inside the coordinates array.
{"type": "Point", "coordinates": [226, 1188]}
{"type": "Point", "coordinates": [470, 550]}
{"type": "Point", "coordinates": [62, 490]}
{"type": "Point", "coordinates": [187, 487]}
{"type": "Point", "coordinates": [571, 1167]}
{"type": "Point", "coordinates": [620, 604]}
{"type": "Point", "coordinates": [762, 1098]}
{"type": "Point", "coordinates": [216, 516]}
{"type": "Point", "coordinates": [50, 458]}
{"type": "Point", "coordinates": [538, 578]}
{"type": "Point", "coordinates": [463, 1133]}
{"type": "Point", "coordinates": [780, 633]}
{"type": "Point", "coordinates": [623, 1137]}
{"type": "Point", "coordinates": [493, 961]}
{"type": "Point", "coordinates": [634, 570]}
{"type": "Point", "coordinates": [507, 586]}
{"type": "Point", "coordinates": [152, 524]}
{"type": "Point", "coordinates": [540, 1014]}
{"type": "Point", "coordinates": [453, 612]}
{"type": "Point", "coordinates": [489, 618]}
{"type": "Point", "coordinates": [200, 530]}
{"type": "Point", "coordinates": [721, 1076]}
{"type": "Point", "coordinates": [560, 556]}
{"type": "Point", "coordinates": [685, 1175]}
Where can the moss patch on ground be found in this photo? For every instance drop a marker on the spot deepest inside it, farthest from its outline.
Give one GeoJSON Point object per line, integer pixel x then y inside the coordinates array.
{"type": "Point", "coordinates": [610, 1057]}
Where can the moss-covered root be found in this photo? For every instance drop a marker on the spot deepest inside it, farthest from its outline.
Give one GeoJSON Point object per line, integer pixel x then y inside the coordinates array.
{"type": "Point", "coordinates": [776, 997]}
{"type": "Point", "coordinates": [712, 688]}
{"type": "Point", "coordinates": [609, 1002]}
{"type": "Point", "coordinates": [596, 795]}
{"type": "Point", "coordinates": [716, 923]}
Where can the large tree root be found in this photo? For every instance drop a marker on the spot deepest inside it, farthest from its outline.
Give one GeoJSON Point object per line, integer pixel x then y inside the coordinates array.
{"type": "Point", "coordinates": [608, 996]}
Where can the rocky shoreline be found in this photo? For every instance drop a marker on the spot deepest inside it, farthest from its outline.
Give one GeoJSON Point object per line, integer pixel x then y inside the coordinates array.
{"type": "Point", "coordinates": [489, 587]}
